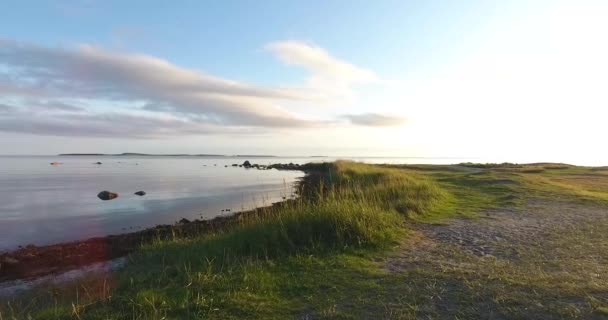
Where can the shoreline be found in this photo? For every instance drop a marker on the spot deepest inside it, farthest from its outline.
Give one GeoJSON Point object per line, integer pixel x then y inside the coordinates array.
{"type": "Point", "coordinates": [31, 261]}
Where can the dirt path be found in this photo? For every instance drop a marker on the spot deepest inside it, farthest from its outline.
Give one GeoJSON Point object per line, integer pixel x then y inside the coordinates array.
{"type": "Point", "coordinates": [547, 259]}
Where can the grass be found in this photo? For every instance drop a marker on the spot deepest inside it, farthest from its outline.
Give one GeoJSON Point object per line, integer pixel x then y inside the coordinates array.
{"type": "Point", "coordinates": [249, 269]}
{"type": "Point", "coordinates": [325, 255]}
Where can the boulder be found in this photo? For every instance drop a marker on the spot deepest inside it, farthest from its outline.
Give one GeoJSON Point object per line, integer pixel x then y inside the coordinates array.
{"type": "Point", "coordinates": [107, 195]}
{"type": "Point", "coordinates": [10, 260]}
{"type": "Point", "coordinates": [247, 164]}
{"type": "Point", "coordinates": [140, 193]}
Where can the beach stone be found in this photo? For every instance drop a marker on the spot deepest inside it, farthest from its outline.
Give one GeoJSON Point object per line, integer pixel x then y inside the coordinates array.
{"type": "Point", "coordinates": [107, 195]}
{"type": "Point", "coordinates": [140, 193]}
{"type": "Point", "coordinates": [10, 260]}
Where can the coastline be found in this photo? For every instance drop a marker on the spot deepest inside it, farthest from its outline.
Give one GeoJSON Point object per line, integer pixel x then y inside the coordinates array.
{"type": "Point", "coordinates": [31, 262]}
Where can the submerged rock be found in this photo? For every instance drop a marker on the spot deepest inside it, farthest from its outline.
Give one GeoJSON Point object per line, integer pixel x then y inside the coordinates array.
{"type": "Point", "coordinates": [107, 195]}
{"type": "Point", "coordinates": [98, 162]}
{"type": "Point", "coordinates": [140, 193]}
{"type": "Point", "coordinates": [247, 164]}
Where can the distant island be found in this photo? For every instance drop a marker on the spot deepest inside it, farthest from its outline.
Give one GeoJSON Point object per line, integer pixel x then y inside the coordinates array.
{"type": "Point", "coordinates": [127, 154]}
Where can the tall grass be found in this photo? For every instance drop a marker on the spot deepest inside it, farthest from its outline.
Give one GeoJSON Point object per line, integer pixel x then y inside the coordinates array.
{"type": "Point", "coordinates": [346, 206]}
{"type": "Point", "coordinates": [353, 205]}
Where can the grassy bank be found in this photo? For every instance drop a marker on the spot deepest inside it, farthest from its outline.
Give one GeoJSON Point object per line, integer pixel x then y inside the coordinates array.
{"type": "Point", "coordinates": [270, 264]}
{"type": "Point", "coordinates": [351, 247]}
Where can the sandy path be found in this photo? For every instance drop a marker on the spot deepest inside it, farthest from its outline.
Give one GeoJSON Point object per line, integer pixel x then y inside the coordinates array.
{"type": "Point", "coordinates": [546, 259]}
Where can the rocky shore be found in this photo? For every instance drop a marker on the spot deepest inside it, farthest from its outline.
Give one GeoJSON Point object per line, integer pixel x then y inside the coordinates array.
{"type": "Point", "coordinates": [35, 261]}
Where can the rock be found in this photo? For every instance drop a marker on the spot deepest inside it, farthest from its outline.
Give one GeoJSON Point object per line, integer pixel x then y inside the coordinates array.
{"type": "Point", "coordinates": [10, 260]}
{"type": "Point", "coordinates": [107, 195]}
{"type": "Point", "coordinates": [184, 221]}
{"type": "Point", "coordinates": [226, 166]}
{"type": "Point", "coordinates": [247, 164]}
{"type": "Point", "coordinates": [98, 162]}
{"type": "Point", "coordinates": [235, 165]}
{"type": "Point", "coordinates": [140, 193]}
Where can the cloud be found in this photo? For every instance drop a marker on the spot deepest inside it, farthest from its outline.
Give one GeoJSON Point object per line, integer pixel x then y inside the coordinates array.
{"type": "Point", "coordinates": [328, 73]}
{"type": "Point", "coordinates": [65, 91]}
{"type": "Point", "coordinates": [93, 73]}
{"type": "Point", "coordinates": [5, 108]}
{"type": "Point", "coordinates": [375, 120]}
{"type": "Point", "coordinates": [319, 61]}
{"type": "Point", "coordinates": [112, 124]}
{"type": "Point", "coordinates": [90, 70]}
{"type": "Point", "coordinates": [51, 105]}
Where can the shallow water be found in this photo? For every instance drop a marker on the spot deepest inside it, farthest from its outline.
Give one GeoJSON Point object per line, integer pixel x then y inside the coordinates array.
{"type": "Point", "coordinates": [42, 204]}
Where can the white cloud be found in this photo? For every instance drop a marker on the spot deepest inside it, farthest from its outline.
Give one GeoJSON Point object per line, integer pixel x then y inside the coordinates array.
{"type": "Point", "coordinates": [375, 120]}
{"type": "Point", "coordinates": [328, 74]}
{"type": "Point", "coordinates": [70, 122]}
{"type": "Point", "coordinates": [168, 99]}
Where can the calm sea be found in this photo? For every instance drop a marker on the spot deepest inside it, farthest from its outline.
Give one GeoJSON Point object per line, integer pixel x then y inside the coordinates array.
{"type": "Point", "coordinates": [41, 203]}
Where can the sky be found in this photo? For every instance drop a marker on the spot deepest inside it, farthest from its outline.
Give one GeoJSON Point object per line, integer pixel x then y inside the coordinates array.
{"type": "Point", "coordinates": [496, 80]}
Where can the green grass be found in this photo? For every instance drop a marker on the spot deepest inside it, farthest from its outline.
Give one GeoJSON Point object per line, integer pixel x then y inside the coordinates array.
{"type": "Point", "coordinates": [263, 266]}
{"type": "Point", "coordinates": [324, 255]}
